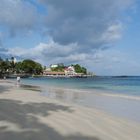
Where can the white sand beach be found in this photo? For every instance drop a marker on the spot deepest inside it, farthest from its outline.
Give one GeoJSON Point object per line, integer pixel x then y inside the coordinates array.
{"type": "Point", "coordinates": [27, 115]}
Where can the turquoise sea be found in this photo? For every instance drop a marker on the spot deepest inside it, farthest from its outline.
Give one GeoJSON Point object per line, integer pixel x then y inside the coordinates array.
{"type": "Point", "coordinates": [91, 92]}
{"type": "Point", "coordinates": [129, 85]}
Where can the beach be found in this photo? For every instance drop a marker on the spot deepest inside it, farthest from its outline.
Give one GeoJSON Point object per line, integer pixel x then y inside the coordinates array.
{"type": "Point", "coordinates": [27, 114]}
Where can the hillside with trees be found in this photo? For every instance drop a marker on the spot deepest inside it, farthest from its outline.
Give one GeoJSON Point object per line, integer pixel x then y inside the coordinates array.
{"type": "Point", "coordinates": [9, 67]}
{"type": "Point", "coordinates": [80, 69]}
{"type": "Point", "coordinates": [60, 68]}
{"type": "Point", "coordinates": [29, 67]}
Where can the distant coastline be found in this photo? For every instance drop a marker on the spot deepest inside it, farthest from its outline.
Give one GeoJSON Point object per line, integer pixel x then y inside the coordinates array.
{"type": "Point", "coordinates": [11, 68]}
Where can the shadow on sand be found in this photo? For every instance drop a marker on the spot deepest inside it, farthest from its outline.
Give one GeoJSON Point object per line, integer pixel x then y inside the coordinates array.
{"type": "Point", "coordinates": [30, 87]}
{"type": "Point", "coordinates": [4, 89]}
{"type": "Point", "coordinates": [29, 127]}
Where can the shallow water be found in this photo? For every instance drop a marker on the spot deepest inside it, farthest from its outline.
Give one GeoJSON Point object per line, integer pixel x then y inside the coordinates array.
{"type": "Point", "coordinates": [123, 85]}
{"type": "Point", "coordinates": [91, 92]}
{"type": "Point", "coordinates": [121, 106]}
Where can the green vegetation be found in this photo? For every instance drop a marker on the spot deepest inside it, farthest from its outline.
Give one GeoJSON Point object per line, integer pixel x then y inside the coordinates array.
{"type": "Point", "coordinates": [80, 69]}
{"type": "Point", "coordinates": [77, 67]}
{"type": "Point", "coordinates": [4, 66]}
{"type": "Point", "coordinates": [24, 67]}
{"type": "Point", "coordinates": [60, 68]}
{"type": "Point", "coordinates": [30, 67]}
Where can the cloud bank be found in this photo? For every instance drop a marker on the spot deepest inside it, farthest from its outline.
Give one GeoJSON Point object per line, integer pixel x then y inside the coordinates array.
{"type": "Point", "coordinates": [77, 29]}
{"type": "Point", "coordinates": [17, 16]}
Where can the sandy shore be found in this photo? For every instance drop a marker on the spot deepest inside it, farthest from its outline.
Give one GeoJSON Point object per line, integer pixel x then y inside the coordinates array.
{"type": "Point", "coordinates": [26, 115]}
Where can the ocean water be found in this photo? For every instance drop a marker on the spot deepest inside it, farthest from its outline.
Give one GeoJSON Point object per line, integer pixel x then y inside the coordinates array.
{"type": "Point", "coordinates": [125, 103]}
{"type": "Point", "coordinates": [123, 85]}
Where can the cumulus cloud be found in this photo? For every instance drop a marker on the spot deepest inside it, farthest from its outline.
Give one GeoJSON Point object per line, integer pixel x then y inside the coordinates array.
{"type": "Point", "coordinates": [78, 29]}
{"type": "Point", "coordinates": [3, 52]}
{"type": "Point", "coordinates": [18, 15]}
{"type": "Point", "coordinates": [90, 23]}
{"type": "Point", "coordinates": [112, 33]}
{"type": "Point", "coordinates": [0, 39]}
{"type": "Point", "coordinates": [51, 51]}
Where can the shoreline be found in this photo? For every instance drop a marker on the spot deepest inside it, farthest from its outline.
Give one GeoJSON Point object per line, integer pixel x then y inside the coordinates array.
{"type": "Point", "coordinates": [127, 107]}
{"type": "Point", "coordinates": [95, 91]}
{"type": "Point", "coordinates": [25, 114]}
{"type": "Point", "coordinates": [116, 104]}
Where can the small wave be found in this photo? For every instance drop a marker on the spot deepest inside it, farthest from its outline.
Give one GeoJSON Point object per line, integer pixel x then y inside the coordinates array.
{"type": "Point", "coordinates": [122, 96]}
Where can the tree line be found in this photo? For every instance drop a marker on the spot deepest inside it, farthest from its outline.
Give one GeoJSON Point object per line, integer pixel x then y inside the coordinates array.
{"type": "Point", "coordinates": [27, 66]}
{"type": "Point", "coordinates": [30, 67]}
{"type": "Point", "coordinates": [78, 68]}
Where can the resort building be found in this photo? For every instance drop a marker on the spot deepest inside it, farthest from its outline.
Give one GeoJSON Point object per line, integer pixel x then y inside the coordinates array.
{"type": "Point", "coordinates": [70, 70]}
{"type": "Point", "coordinates": [66, 72]}
{"type": "Point", "coordinates": [53, 73]}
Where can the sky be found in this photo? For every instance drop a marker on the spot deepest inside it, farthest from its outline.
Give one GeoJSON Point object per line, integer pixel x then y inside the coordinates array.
{"type": "Point", "coordinates": [102, 35]}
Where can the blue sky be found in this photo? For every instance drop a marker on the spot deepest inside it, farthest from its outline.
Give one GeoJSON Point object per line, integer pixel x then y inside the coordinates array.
{"type": "Point", "coordinates": [101, 35]}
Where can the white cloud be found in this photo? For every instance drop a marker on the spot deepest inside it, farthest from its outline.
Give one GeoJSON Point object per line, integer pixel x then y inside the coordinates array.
{"type": "Point", "coordinates": [18, 15]}
{"type": "Point", "coordinates": [112, 33]}
{"type": "Point", "coordinates": [90, 23]}
{"type": "Point", "coordinates": [80, 30]}
{"type": "Point", "coordinates": [109, 62]}
{"type": "Point", "coordinates": [43, 52]}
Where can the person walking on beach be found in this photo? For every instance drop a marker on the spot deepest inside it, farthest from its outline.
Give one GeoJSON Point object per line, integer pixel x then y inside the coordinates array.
{"type": "Point", "coordinates": [18, 80]}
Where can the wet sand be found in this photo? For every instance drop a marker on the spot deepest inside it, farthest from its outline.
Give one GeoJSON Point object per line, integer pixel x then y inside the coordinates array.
{"type": "Point", "coordinates": [126, 106]}
{"type": "Point", "coordinates": [27, 115]}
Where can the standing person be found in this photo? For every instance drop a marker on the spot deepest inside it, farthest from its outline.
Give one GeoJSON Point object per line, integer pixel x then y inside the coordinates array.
{"type": "Point", "coordinates": [18, 80]}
